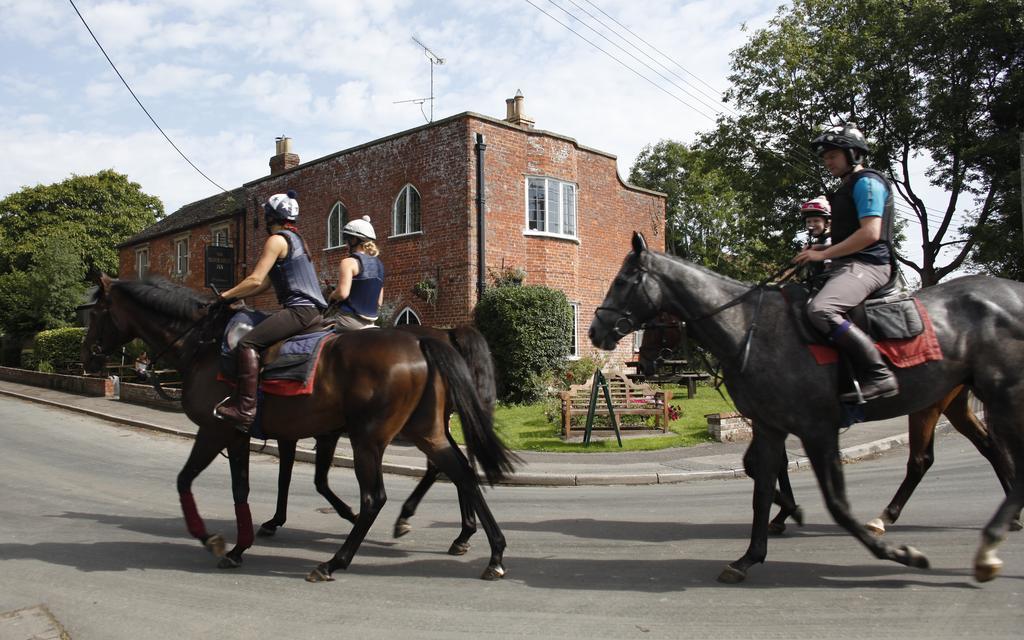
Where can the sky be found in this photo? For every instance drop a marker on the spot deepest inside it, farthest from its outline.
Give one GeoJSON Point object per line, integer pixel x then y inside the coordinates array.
{"type": "Point", "coordinates": [224, 78]}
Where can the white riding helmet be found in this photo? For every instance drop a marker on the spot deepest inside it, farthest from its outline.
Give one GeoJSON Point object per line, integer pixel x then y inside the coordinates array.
{"type": "Point", "coordinates": [360, 228]}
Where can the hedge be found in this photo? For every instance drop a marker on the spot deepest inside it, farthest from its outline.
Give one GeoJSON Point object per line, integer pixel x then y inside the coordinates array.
{"type": "Point", "coordinates": [58, 347]}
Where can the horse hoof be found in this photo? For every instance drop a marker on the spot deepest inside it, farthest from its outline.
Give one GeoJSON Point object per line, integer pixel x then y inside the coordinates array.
{"type": "Point", "coordinates": [215, 544]}
{"type": "Point", "coordinates": [1016, 525]}
{"type": "Point", "coordinates": [402, 527]}
{"type": "Point", "coordinates": [732, 575]}
{"type": "Point", "coordinates": [914, 558]}
{"type": "Point", "coordinates": [227, 562]}
{"type": "Point", "coordinates": [876, 527]}
{"type": "Point", "coordinates": [798, 516]}
{"type": "Point", "coordinates": [458, 548]}
{"type": "Point", "coordinates": [266, 531]}
{"type": "Point", "coordinates": [986, 572]}
{"type": "Point", "coordinates": [320, 574]}
{"type": "Point", "coordinates": [776, 528]}
{"type": "Point", "coordinates": [493, 572]}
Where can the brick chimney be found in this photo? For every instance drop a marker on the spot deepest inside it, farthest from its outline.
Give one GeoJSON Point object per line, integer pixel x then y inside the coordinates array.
{"type": "Point", "coordinates": [514, 112]}
{"type": "Point", "coordinates": [285, 159]}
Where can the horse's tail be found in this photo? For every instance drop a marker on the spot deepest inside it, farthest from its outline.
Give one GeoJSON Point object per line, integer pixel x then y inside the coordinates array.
{"type": "Point", "coordinates": [477, 422]}
{"type": "Point", "coordinates": [472, 346]}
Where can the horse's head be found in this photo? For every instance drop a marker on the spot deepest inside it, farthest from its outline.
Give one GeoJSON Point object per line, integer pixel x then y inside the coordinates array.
{"type": "Point", "coordinates": [662, 337]}
{"type": "Point", "coordinates": [107, 331]}
{"type": "Point", "coordinates": [631, 301]}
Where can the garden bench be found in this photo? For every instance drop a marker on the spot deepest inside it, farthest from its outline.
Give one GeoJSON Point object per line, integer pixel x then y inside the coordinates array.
{"type": "Point", "coordinates": [628, 399]}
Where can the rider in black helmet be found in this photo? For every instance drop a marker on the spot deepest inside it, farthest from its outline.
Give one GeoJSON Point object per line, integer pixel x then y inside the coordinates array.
{"type": "Point", "coordinates": [286, 265]}
{"type": "Point", "coordinates": [862, 217]}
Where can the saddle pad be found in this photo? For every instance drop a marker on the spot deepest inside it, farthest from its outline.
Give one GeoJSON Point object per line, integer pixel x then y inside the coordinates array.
{"type": "Point", "coordinates": [904, 353]}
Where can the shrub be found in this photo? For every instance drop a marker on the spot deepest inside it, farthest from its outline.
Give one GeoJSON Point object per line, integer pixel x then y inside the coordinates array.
{"type": "Point", "coordinates": [58, 347]}
{"type": "Point", "coordinates": [528, 330]}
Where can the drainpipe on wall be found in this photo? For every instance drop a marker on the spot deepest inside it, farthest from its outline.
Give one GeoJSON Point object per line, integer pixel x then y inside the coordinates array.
{"type": "Point", "coordinates": [481, 228]}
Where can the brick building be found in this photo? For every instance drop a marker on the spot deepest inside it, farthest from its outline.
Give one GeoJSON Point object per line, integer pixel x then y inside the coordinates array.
{"type": "Point", "coordinates": [553, 208]}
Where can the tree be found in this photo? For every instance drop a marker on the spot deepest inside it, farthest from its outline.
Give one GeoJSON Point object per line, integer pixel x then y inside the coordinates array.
{"type": "Point", "coordinates": [932, 81]}
{"type": "Point", "coordinates": [52, 236]}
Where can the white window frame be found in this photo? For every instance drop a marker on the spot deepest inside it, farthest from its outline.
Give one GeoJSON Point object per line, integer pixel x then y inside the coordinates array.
{"type": "Point", "coordinates": [574, 347]}
{"type": "Point", "coordinates": [407, 214]}
{"type": "Point", "coordinates": [560, 223]}
{"type": "Point", "coordinates": [338, 212]}
{"type": "Point", "coordinates": [407, 311]}
{"type": "Point", "coordinates": [216, 230]}
{"type": "Point", "coordinates": [140, 270]}
{"type": "Point", "coordinates": [179, 242]}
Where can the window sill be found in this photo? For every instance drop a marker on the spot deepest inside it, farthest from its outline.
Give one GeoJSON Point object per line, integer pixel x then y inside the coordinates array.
{"type": "Point", "coordinates": [553, 236]}
{"type": "Point", "coordinates": [406, 235]}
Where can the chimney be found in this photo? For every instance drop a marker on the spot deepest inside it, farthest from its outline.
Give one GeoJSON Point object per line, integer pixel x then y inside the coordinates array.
{"type": "Point", "coordinates": [514, 112]}
{"type": "Point", "coordinates": [285, 159]}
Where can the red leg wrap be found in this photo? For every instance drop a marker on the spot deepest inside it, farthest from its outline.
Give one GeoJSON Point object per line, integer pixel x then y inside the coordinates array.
{"type": "Point", "coordinates": [244, 519]}
{"type": "Point", "coordinates": [192, 520]}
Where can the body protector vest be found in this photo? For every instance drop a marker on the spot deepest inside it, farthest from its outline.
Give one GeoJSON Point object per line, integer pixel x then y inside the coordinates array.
{"type": "Point", "coordinates": [366, 286]}
{"type": "Point", "coordinates": [845, 220]}
{"type": "Point", "coordinates": [816, 269]}
{"type": "Point", "coordinates": [294, 277]}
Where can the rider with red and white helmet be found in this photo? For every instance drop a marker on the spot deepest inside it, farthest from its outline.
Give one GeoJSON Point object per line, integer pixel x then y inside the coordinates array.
{"type": "Point", "coordinates": [817, 217]}
{"type": "Point", "coordinates": [862, 259]}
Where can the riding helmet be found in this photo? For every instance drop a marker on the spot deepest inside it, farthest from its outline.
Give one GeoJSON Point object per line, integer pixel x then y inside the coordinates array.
{"type": "Point", "coordinates": [819, 207]}
{"type": "Point", "coordinates": [282, 206]}
{"type": "Point", "coordinates": [360, 228]}
{"type": "Point", "coordinates": [846, 137]}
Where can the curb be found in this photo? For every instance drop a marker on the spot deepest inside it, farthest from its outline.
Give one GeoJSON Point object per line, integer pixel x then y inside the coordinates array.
{"type": "Point", "coordinates": [850, 454]}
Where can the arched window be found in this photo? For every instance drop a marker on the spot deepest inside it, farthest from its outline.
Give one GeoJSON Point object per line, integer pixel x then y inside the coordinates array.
{"type": "Point", "coordinates": [406, 215]}
{"type": "Point", "coordinates": [336, 220]}
{"type": "Point", "coordinates": [407, 316]}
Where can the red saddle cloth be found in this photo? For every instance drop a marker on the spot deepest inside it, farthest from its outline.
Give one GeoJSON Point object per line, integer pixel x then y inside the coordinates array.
{"type": "Point", "coordinates": [903, 354]}
{"type": "Point", "coordinates": [291, 386]}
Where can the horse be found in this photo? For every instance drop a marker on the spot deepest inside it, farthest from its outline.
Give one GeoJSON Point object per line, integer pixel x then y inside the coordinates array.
{"type": "Point", "coordinates": [371, 385]}
{"type": "Point", "coordinates": [979, 325]}
{"type": "Point", "coordinates": [664, 336]}
{"type": "Point", "coordinates": [472, 346]}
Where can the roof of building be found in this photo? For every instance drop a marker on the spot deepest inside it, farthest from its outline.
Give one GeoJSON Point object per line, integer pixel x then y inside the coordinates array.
{"type": "Point", "coordinates": [221, 205]}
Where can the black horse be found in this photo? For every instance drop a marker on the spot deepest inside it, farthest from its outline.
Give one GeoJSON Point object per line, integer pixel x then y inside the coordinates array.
{"type": "Point", "coordinates": [979, 322]}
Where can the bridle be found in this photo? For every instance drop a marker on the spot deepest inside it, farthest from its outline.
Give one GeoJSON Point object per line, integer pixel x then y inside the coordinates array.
{"type": "Point", "coordinates": [626, 322]}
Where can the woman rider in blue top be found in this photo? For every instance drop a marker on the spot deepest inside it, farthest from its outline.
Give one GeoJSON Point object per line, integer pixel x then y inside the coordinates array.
{"type": "Point", "coordinates": [862, 258]}
{"type": "Point", "coordinates": [360, 289]}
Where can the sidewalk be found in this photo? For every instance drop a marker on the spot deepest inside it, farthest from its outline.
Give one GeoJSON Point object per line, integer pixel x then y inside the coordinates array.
{"type": "Point", "coordinates": [700, 462]}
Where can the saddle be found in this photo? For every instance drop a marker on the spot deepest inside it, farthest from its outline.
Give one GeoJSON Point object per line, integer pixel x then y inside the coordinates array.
{"type": "Point", "coordinates": [887, 314]}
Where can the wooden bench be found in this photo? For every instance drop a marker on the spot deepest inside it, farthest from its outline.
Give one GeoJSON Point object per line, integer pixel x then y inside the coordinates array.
{"type": "Point", "coordinates": [628, 399]}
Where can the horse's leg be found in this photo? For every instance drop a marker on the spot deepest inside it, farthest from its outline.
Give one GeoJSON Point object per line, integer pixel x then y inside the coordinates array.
{"type": "Point", "coordinates": [966, 422]}
{"type": "Point", "coordinates": [286, 455]}
{"type": "Point", "coordinates": [450, 460]}
{"type": "Point", "coordinates": [238, 459]}
{"type": "Point", "coordinates": [762, 462]}
{"type": "Point", "coordinates": [823, 452]}
{"type": "Point", "coordinates": [1004, 419]}
{"type": "Point", "coordinates": [921, 429]}
{"type": "Point", "coordinates": [787, 503]}
{"type": "Point", "coordinates": [411, 503]}
{"type": "Point", "coordinates": [207, 445]}
{"type": "Point", "coordinates": [367, 457]}
{"type": "Point", "coordinates": [326, 445]}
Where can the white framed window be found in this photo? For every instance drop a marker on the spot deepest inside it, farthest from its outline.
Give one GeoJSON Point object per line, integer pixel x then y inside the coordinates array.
{"type": "Point", "coordinates": [219, 236]}
{"type": "Point", "coordinates": [407, 316]}
{"type": "Point", "coordinates": [574, 344]}
{"type": "Point", "coordinates": [550, 207]}
{"type": "Point", "coordinates": [406, 213]}
{"type": "Point", "coordinates": [181, 255]}
{"type": "Point", "coordinates": [142, 262]}
{"type": "Point", "coordinates": [336, 221]}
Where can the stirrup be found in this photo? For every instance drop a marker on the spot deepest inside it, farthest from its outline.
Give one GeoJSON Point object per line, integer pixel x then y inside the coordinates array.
{"type": "Point", "coordinates": [216, 407]}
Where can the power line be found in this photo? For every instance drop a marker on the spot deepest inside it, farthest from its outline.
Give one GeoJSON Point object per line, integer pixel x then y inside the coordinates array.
{"type": "Point", "coordinates": [144, 110]}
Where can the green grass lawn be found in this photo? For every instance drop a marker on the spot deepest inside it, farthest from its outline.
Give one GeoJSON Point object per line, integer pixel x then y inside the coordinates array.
{"type": "Point", "coordinates": [527, 428]}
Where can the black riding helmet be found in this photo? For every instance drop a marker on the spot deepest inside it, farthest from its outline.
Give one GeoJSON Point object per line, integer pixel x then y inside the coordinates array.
{"type": "Point", "coordinates": [846, 137]}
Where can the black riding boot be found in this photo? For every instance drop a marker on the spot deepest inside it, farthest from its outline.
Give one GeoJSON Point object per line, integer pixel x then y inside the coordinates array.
{"type": "Point", "coordinates": [241, 408]}
{"type": "Point", "coordinates": [876, 379]}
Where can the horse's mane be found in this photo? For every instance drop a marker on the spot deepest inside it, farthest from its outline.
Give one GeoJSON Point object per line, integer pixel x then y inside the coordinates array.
{"type": "Point", "coordinates": [676, 260]}
{"type": "Point", "coordinates": [167, 298]}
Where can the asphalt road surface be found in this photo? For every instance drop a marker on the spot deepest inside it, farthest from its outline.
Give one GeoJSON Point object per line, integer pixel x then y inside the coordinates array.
{"type": "Point", "coordinates": [92, 543]}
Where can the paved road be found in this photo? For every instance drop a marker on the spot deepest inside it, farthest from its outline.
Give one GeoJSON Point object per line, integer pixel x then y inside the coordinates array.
{"type": "Point", "coordinates": [91, 540]}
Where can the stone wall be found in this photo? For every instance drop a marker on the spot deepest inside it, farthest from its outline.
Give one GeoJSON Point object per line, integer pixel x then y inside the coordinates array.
{"type": "Point", "coordinates": [82, 385]}
{"type": "Point", "coordinates": [145, 394]}
{"type": "Point", "coordinates": [729, 427]}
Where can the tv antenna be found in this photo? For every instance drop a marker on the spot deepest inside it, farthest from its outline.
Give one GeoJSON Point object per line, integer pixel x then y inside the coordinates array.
{"type": "Point", "coordinates": [434, 60]}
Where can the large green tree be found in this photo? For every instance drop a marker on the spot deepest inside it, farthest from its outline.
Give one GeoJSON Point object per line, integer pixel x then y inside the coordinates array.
{"type": "Point", "coordinates": [933, 83]}
{"type": "Point", "coordinates": [52, 236]}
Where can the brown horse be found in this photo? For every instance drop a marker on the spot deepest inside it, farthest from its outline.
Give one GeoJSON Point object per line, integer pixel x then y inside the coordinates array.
{"type": "Point", "coordinates": [472, 346]}
{"type": "Point", "coordinates": [371, 385]}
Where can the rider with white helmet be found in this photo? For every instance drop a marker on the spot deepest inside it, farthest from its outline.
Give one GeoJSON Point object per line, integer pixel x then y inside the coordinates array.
{"type": "Point", "coordinates": [286, 265]}
{"type": "Point", "coordinates": [360, 289]}
{"type": "Point", "coordinates": [862, 218]}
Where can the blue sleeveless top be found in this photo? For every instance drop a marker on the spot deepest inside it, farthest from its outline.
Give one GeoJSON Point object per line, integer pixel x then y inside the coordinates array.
{"type": "Point", "coordinates": [294, 277]}
{"type": "Point", "coordinates": [366, 287]}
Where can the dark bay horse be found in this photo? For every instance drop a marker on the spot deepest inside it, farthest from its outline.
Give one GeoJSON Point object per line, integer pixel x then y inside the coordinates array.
{"type": "Point", "coordinates": [979, 323]}
{"type": "Point", "coordinates": [472, 346]}
{"type": "Point", "coordinates": [370, 385]}
{"type": "Point", "coordinates": [664, 336]}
